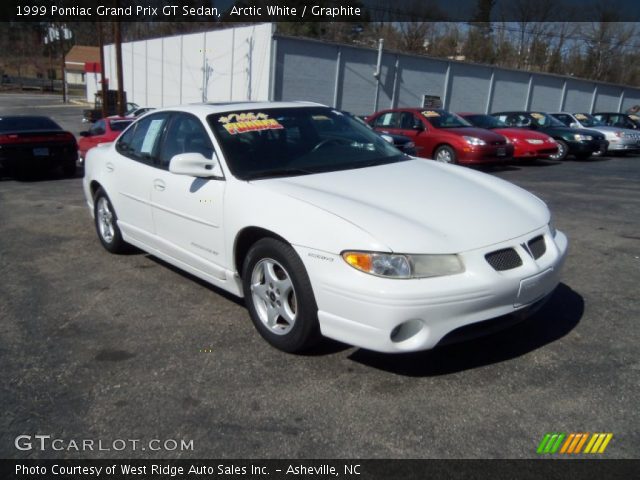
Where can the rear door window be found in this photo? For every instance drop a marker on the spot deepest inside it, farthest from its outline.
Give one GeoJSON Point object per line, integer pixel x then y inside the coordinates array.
{"type": "Point", "coordinates": [142, 141]}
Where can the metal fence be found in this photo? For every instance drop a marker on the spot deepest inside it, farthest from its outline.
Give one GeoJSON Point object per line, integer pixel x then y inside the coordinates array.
{"type": "Point", "coordinates": [342, 76]}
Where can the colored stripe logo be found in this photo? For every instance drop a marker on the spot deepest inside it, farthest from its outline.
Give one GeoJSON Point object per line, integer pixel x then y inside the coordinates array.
{"type": "Point", "coordinates": [573, 443]}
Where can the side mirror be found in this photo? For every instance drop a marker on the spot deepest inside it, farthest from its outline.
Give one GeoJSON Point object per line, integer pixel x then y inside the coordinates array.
{"type": "Point", "coordinates": [574, 125]}
{"type": "Point", "coordinates": [195, 165]}
{"type": "Point", "coordinates": [85, 133]}
{"type": "Point", "coordinates": [418, 127]}
{"type": "Point", "coordinates": [387, 138]}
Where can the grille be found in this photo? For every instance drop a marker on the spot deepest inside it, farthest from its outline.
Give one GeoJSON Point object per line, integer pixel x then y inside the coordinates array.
{"type": "Point", "coordinates": [504, 259]}
{"type": "Point", "coordinates": [537, 247]}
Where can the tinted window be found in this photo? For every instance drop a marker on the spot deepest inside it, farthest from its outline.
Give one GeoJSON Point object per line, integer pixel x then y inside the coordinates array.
{"type": "Point", "coordinates": [389, 120]}
{"type": "Point", "coordinates": [485, 121]}
{"type": "Point", "coordinates": [408, 121]}
{"type": "Point", "coordinates": [566, 119]}
{"type": "Point", "coordinates": [297, 141]}
{"type": "Point", "coordinates": [141, 141]}
{"type": "Point", "coordinates": [98, 128]}
{"type": "Point", "coordinates": [16, 124]}
{"type": "Point", "coordinates": [588, 120]}
{"type": "Point", "coordinates": [185, 134]}
{"type": "Point", "coordinates": [119, 125]}
{"type": "Point", "coordinates": [444, 119]}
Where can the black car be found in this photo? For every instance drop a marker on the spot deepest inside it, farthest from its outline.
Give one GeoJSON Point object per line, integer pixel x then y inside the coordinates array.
{"type": "Point", "coordinates": [621, 120]}
{"type": "Point", "coordinates": [401, 142]}
{"type": "Point", "coordinates": [30, 143]}
{"type": "Point", "coordinates": [580, 143]}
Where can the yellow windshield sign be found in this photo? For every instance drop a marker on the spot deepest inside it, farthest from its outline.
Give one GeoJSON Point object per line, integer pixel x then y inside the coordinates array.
{"type": "Point", "coordinates": [235, 123]}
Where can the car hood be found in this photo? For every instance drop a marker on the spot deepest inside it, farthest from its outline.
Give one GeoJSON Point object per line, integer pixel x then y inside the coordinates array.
{"type": "Point", "coordinates": [419, 206]}
{"type": "Point", "coordinates": [567, 132]}
{"type": "Point", "coordinates": [521, 133]}
{"type": "Point", "coordinates": [482, 133]}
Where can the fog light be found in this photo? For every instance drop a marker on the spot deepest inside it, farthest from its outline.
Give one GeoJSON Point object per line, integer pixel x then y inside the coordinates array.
{"type": "Point", "coordinates": [406, 330]}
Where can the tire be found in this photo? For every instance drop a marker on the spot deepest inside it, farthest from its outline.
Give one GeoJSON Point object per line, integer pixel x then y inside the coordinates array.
{"type": "Point", "coordinates": [106, 222]}
{"type": "Point", "coordinates": [445, 154]}
{"type": "Point", "coordinates": [563, 150]}
{"type": "Point", "coordinates": [279, 296]}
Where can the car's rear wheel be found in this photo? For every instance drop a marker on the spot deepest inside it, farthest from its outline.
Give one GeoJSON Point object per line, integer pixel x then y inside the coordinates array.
{"type": "Point", "coordinates": [445, 154]}
{"type": "Point", "coordinates": [563, 150]}
{"type": "Point", "coordinates": [279, 296]}
{"type": "Point", "coordinates": [107, 224]}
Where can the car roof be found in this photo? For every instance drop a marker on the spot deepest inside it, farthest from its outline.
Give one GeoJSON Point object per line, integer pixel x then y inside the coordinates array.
{"type": "Point", "coordinates": [203, 109]}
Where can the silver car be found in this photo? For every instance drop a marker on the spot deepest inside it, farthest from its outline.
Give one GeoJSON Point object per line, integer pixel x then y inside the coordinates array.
{"type": "Point", "coordinates": [621, 140]}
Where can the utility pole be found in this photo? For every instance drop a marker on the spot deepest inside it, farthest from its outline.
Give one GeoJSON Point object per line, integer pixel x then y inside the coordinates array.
{"type": "Point", "coordinates": [103, 83]}
{"type": "Point", "coordinates": [118, 43]}
{"type": "Point", "coordinates": [377, 73]}
{"type": "Point", "coordinates": [63, 66]}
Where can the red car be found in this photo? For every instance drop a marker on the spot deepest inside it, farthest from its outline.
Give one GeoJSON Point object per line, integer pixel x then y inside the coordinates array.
{"type": "Point", "coordinates": [443, 136]}
{"type": "Point", "coordinates": [527, 144]}
{"type": "Point", "coordinates": [104, 130]}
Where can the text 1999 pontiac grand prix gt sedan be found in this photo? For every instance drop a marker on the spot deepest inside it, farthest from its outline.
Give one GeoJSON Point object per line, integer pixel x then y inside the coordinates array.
{"type": "Point", "coordinates": [323, 226]}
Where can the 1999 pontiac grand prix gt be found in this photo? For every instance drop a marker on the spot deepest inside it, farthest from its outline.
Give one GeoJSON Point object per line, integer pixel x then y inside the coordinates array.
{"type": "Point", "coordinates": [323, 226]}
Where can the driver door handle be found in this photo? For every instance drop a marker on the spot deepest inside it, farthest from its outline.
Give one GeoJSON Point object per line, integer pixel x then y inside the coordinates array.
{"type": "Point", "coordinates": [159, 185]}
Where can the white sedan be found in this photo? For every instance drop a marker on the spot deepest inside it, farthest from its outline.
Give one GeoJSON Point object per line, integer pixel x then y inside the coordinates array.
{"type": "Point", "coordinates": [321, 225]}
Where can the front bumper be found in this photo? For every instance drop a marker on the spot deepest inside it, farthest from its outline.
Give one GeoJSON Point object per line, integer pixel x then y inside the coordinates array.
{"type": "Point", "coordinates": [391, 315]}
{"type": "Point", "coordinates": [528, 151]}
{"type": "Point", "coordinates": [624, 145]}
{"type": "Point", "coordinates": [587, 147]}
{"type": "Point", "coordinates": [485, 154]}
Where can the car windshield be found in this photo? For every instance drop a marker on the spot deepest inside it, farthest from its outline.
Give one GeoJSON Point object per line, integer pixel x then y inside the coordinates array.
{"type": "Point", "coordinates": [444, 119]}
{"type": "Point", "coordinates": [588, 120]}
{"type": "Point", "coordinates": [120, 125]}
{"type": "Point", "coordinates": [277, 142]}
{"type": "Point", "coordinates": [485, 121]}
{"type": "Point", "coordinates": [544, 120]}
{"type": "Point", "coordinates": [635, 119]}
{"type": "Point", "coordinates": [18, 124]}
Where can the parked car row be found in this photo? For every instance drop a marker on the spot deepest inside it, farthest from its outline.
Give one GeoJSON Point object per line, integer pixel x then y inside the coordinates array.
{"type": "Point", "coordinates": [473, 138]}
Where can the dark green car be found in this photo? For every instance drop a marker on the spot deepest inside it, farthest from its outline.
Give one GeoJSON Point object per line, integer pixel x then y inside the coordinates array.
{"type": "Point", "coordinates": [580, 143]}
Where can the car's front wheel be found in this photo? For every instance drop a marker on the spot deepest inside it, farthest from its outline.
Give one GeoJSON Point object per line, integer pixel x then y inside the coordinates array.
{"type": "Point", "coordinates": [279, 296]}
{"type": "Point", "coordinates": [563, 151]}
{"type": "Point", "coordinates": [445, 154]}
{"type": "Point", "coordinates": [107, 224]}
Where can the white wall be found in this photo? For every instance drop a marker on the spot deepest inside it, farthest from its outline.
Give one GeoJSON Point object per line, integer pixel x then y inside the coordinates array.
{"type": "Point", "coordinates": [169, 71]}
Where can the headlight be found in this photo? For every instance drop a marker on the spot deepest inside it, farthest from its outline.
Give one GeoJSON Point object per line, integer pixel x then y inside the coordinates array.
{"type": "Point", "coordinates": [534, 141]}
{"type": "Point", "coordinates": [474, 140]}
{"type": "Point", "coordinates": [579, 137]}
{"type": "Point", "coordinates": [509, 140]}
{"type": "Point", "coordinates": [404, 266]}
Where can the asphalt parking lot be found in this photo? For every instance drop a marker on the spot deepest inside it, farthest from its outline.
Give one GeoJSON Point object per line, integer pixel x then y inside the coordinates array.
{"type": "Point", "coordinates": [97, 346]}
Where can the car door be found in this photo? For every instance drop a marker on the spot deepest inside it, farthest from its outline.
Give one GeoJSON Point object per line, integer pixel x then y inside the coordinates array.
{"type": "Point", "coordinates": [133, 171]}
{"type": "Point", "coordinates": [93, 138]}
{"type": "Point", "coordinates": [187, 211]}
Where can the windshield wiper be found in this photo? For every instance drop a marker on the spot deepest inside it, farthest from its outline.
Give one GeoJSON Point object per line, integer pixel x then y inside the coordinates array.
{"type": "Point", "coordinates": [278, 172]}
